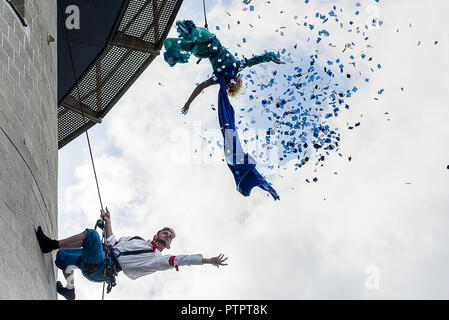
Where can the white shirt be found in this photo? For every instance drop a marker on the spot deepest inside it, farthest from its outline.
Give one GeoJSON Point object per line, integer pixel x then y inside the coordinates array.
{"type": "Point", "coordinates": [139, 265]}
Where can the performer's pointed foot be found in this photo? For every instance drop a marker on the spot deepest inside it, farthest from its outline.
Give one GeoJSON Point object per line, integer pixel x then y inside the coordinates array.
{"type": "Point", "coordinates": [69, 294]}
{"type": "Point", "coordinates": [47, 245]}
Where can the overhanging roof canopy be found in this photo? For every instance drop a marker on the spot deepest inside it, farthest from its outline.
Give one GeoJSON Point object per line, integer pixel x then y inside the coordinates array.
{"type": "Point", "coordinates": [103, 53]}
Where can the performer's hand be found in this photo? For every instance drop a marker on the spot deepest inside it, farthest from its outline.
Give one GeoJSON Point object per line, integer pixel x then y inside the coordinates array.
{"type": "Point", "coordinates": [185, 109]}
{"type": "Point", "coordinates": [276, 60]}
{"type": "Point", "coordinates": [106, 216]}
{"type": "Point", "coordinates": [217, 261]}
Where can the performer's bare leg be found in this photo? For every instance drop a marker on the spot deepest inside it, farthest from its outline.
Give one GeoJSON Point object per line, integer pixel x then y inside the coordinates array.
{"type": "Point", "coordinates": [75, 241]}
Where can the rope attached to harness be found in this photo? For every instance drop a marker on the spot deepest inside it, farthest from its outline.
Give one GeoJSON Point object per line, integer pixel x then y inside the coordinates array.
{"type": "Point", "coordinates": [205, 15]}
{"type": "Point", "coordinates": [87, 135]}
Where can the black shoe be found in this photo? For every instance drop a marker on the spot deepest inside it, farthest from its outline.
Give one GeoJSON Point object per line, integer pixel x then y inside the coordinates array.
{"type": "Point", "coordinates": [47, 245]}
{"type": "Point", "coordinates": [69, 294]}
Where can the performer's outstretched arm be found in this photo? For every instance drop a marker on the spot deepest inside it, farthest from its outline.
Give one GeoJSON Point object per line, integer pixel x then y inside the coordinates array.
{"type": "Point", "coordinates": [266, 57]}
{"type": "Point", "coordinates": [199, 88]}
{"type": "Point", "coordinates": [168, 261]}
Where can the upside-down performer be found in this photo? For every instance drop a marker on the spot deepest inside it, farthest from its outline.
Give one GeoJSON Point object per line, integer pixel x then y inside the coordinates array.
{"type": "Point", "coordinates": [202, 44]}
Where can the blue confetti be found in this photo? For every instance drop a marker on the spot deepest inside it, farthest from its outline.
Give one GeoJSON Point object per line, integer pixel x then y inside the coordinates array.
{"type": "Point", "coordinates": [299, 103]}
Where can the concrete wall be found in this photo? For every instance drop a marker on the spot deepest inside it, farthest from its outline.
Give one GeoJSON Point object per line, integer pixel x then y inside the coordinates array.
{"type": "Point", "coordinates": [28, 149]}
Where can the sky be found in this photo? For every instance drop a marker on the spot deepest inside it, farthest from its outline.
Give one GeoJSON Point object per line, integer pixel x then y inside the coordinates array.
{"type": "Point", "coordinates": [373, 226]}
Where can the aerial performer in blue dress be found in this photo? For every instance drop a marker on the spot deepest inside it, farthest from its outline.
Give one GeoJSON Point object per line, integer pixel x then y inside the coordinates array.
{"type": "Point", "coordinates": [202, 44]}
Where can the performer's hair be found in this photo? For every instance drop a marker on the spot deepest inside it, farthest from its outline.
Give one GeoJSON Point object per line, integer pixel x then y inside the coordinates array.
{"type": "Point", "coordinates": [234, 88]}
{"type": "Point", "coordinates": [169, 229]}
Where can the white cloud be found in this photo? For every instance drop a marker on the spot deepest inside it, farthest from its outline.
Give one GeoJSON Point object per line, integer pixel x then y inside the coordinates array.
{"type": "Point", "coordinates": [318, 241]}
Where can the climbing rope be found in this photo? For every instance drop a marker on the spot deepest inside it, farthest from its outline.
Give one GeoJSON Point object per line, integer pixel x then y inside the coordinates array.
{"type": "Point", "coordinates": [205, 23]}
{"type": "Point", "coordinates": [205, 15]}
{"type": "Point", "coordinates": [87, 137]}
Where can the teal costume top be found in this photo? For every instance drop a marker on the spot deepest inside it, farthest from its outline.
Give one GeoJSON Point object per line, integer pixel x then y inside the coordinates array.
{"type": "Point", "coordinates": [203, 44]}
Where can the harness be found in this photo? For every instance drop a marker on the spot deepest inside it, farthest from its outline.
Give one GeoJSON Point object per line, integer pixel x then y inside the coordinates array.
{"type": "Point", "coordinates": [113, 266]}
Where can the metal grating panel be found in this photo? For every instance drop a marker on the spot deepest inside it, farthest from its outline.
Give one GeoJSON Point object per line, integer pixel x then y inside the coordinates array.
{"type": "Point", "coordinates": [137, 41]}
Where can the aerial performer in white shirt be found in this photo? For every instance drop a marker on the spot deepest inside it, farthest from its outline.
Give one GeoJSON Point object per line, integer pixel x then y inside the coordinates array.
{"type": "Point", "coordinates": [134, 256]}
{"type": "Point", "coordinates": [201, 43]}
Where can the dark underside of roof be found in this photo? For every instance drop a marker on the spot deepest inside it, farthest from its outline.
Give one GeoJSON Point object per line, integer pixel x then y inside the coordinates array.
{"type": "Point", "coordinates": [136, 39]}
